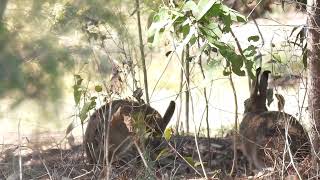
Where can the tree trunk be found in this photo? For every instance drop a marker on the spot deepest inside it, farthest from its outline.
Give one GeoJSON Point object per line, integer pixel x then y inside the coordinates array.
{"type": "Point", "coordinates": [314, 76]}
{"type": "Point", "coordinates": [3, 5]}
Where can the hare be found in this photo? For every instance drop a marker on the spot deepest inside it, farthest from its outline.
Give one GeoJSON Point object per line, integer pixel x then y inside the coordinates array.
{"type": "Point", "coordinates": [124, 117]}
{"type": "Point", "coordinates": [259, 126]}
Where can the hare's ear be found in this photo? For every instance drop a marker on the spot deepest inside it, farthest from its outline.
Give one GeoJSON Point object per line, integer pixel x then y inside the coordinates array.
{"type": "Point", "coordinates": [255, 84]}
{"type": "Point", "coordinates": [264, 83]}
{"type": "Point", "coordinates": [167, 116]}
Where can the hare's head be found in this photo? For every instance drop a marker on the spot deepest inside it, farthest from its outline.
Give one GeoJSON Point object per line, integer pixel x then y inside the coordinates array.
{"type": "Point", "coordinates": [257, 100]}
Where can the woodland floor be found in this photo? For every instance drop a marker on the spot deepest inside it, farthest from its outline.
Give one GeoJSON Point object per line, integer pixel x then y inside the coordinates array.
{"type": "Point", "coordinates": [62, 162]}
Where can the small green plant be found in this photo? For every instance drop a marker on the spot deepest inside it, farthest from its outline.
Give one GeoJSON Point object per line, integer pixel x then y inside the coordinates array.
{"type": "Point", "coordinates": [83, 101]}
{"type": "Point", "coordinates": [205, 22]}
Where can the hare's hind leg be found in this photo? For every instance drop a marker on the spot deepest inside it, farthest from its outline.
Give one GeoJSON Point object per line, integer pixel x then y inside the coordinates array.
{"type": "Point", "coordinates": [248, 154]}
{"type": "Point", "coordinates": [251, 153]}
{"type": "Point", "coordinates": [256, 160]}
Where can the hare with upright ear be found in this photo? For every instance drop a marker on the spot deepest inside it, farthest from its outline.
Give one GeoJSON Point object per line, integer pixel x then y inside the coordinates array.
{"type": "Point", "coordinates": [259, 126]}
{"type": "Point", "coordinates": [121, 116]}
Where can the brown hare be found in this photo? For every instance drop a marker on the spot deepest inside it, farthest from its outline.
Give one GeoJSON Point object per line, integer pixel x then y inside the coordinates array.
{"type": "Point", "coordinates": [261, 129]}
{"type": "Point", "coordinates": [123, 119]}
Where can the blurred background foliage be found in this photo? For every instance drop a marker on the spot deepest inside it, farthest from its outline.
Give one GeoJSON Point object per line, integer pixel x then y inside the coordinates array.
{"type": "Point", "coordinates": [34, 53]}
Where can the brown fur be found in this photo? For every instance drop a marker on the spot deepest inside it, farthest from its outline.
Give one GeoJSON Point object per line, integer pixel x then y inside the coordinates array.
{"type": "Point", "coordinates": [261, 128]}
{"type": "Point", "coordinates": [122, 123]}
{"type": "Point", "coordinates": [258, 130]}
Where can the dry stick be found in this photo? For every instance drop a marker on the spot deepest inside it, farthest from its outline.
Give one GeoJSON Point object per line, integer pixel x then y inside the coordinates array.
{"type": "Point", "coordinates": [241, 53]}
{"type": "Point", "coordinates": [254, 21]}
{"type": "Point", "coordinates": [143, 61]}
{"type": "Point", "coordinates": [82, 122]}
{"type": "Point", "coordinates": [193, 88]}
{"type": "Point", "coordinates": [183, 158]}
{"type": "Point", "coordinates": [283, 155]}
{"type": "Point", "coordinates": [162, 73]}
{"type": "Point", "coordinates": [188, 95]}
{"type": "Point", "coordinates": [180, 92]}
{"type": "Point", "coordinates": [253, 8]}
{"type": "Point", "coordinates": [141, 155]}
{"type": "Point", "coordinates": [45, 166]}
{"type": "Point", "coordinates": [234, 164]}
{"type": "Point", "coordinates": [20, 159]}
{"type": "Point", "coordinates": [187, 74]}
{"type": "Point", "coordinates": [289, 151]}
{"type": "Point", "coordinates": [106, 141]}
{"type": "Point", "coordinates": [196, 142]}
{"type": "Point", "coordinates": [181, 63]}
{"type": "Point", "coordinates": [80, 176]}
{"type": "Point", "coordinates": [207, 103]}
{"type": "Point", "coordinates": [303, 100]}
{"type": "Point", "coordinates": [259, 31]}
{"type": "Point", "coordinates": [209, 96]}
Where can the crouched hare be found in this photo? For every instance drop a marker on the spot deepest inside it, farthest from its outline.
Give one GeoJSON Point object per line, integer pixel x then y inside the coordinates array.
{"type": "Point", "coordinates": [125, 116]}
{"type": "Point", "coordinates": [264, 134]}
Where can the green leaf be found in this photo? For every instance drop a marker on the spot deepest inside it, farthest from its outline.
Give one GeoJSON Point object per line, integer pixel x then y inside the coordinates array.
{"type": "Point", "coordinates": [190, 161]}
{"type": "Point", "coordinates": [77, 92]}
{"type": "Point", "coordinates": [70, 127]}
{"type": "Point", "coordinates": [187, 39]}
{"type": "Point", "coordinates": [150, 18]}
{"type": "Point", "coordinates": [98, 88]}
{"type": "Point", "coordinates": [185, 30]}
{"type": "Point", "coordinates": [227, 23]}
{"type": "Point", "coordinates": [225, 10]}
{"type": "Point", "coordinates": [234, 59]}
{"type": "Point", "coordinates": [180, 24]}
{"type": "Point", "coordinates": [85, 109]}
{"type": "Point", "coordinates": [214, 29]}
{"type": "Point", "coordinates": [253, 38]}
{"type": "Point", "coordinates": [191, 6]}
{"type": "Point", "coordinates": [78, 79]}
{"type": "Point", "coordinates": [236, 16]}
{"type": "Point", "coordinates": [167, 134]}
{"type": "Point", "coordinates": [236, 64]}
{"type": "Point", "coordinates": [226, 72]}
{"type": "Point", "coordinates": [216, 10]}
{"type": "Point", "coordinates": [193, 40]}
{"type": "Point", "coordinates": [249, 67]}
{"type": "Point", "coordinates": [199, 163]}
{"type": "Point", "coordinates": [160, 21]}
{"type": "Point", "coordinates": [276, 57]}
{"type": "Point", "coordinates": [163, 152]}
{"type": "Point", "coordinates": [203, 7]}
{"type": "Point", "coordinates": [250, 51]}
{"type": "Point", "coordinates": [211, 31]}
